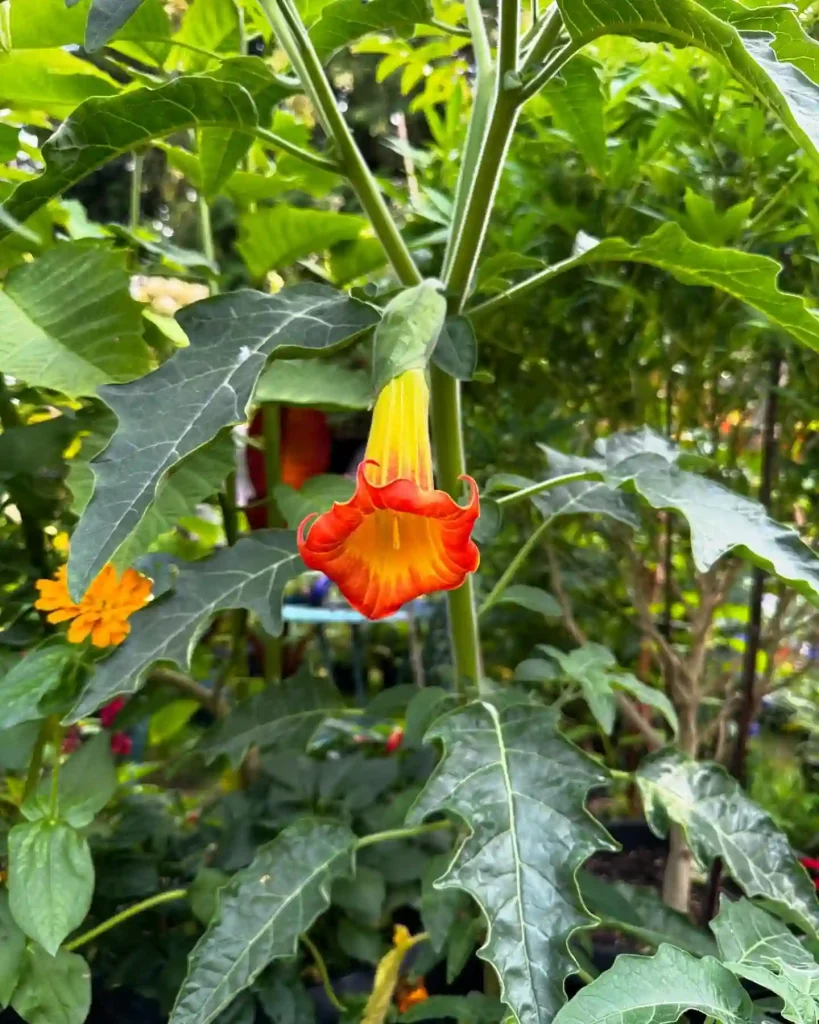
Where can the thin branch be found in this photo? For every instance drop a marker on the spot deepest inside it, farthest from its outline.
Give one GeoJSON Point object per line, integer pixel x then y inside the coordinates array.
{"type": "Point", "coordinates": [179, 681]}
{"type": "Point", "coordinates": [629, 710]}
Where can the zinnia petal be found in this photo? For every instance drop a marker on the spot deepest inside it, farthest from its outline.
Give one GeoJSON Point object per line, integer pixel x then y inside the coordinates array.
{"type": "Point", "coordinates": [396, 538]}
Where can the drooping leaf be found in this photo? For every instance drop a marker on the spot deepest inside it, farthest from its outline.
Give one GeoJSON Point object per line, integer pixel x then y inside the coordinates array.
{"type": "Point", "coordinates": [512, 777]}
{"type": "Point", "coordinates": [281, 717]}
{"type": "Point", "coordinates": [582, 496]}
{"type": "Point", "coordinates": [277, 236]}
{"type": "Point", "coordinates": [746, 276]}
{"type": "Point", "coordinates": [721, 821]}
{"type": "Point", "coordinates": [658, 990]}
{"type": "Point", "coordinates": [387, 973]}
{"type": "Point", "coordinates": [51, 880]}
{"type": "Point", "coordinates": [53, 989]}
{"type": "Point", "coordinates": [105, 19]}
{"type": "Point", "coordinates": [722, 521]}
{"type": "Point", "coordinates": [787, 94]}
{"type": "Point", "coordinates": [69, 322]}
{"type": "Point", "coordinates": [85, 784]}
{"type": "Point", "coordinates": [639, 911]}
{"type": "Point", "coordinates": [343, 21]}
{"type": "Point", "coordinates": [251, 574]}
{"type": "Point", "coordinates": [362, 896]}
{"type": "Point", "coordinates": [194, 395]}
{"type": "Point", "coordinates": [456, 352]}
{"type": "Point", "coordinates": [757, 947]}
{"type": "Point", "coordinates": [221, 150]}
{"type": "Point", "coordinates": [408, 332]}
{"type": "Point", "coordinates": [103, 128]}
{"type": "Point", "coordinates": [36, 24]}
{"type": "Point", "coordinates": [12, 950]}
{"type": "Point", "coordinates": [23, 689]}
{"type": "Point", "coordinates": [314, 383]}
{"type": "Point", "coordinates": [51, 82]}
{"type": "Point", "coordinates": [316, 495]}
{"type": "Point", "coordinates": [262, 911]}
{"type": "Point", "coordinates": [576, 99]}
{"type": "Point", "coordinates": [195, 478]}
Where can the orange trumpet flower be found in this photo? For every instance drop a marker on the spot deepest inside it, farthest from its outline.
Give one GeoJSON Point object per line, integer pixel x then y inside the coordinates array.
{"type": "Point", "coordinates": [397, 537]}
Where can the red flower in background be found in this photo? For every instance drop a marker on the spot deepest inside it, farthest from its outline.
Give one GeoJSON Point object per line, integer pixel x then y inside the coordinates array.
{"type": "Point", "coordinates": [109, 713]}
{"type": "Point", "coordinates": [394, 740]}
{"type": "Point", "coordinates": [304, 452]}
{"type": "Point", "coordinates": [121, 744]}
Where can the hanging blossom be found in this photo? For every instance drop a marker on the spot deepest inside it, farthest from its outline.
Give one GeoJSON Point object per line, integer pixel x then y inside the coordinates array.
{"type": "Point", "coordinates": [103, 612]}
{"type": "Point", "coordinates": [397, 537]}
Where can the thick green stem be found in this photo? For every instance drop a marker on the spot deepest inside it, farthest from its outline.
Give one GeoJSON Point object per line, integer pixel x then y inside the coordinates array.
{"type": "Point", "coordinates": [136, 191]}
{"type": "Point", "coordinates": [469, 243]}
{"type": "Point", "coordinates": [112, 922]}
{"type": "Point", "coordinates": [401, 833]}
{"type": "Point", "coordinates": [451, 464]}
{"type": "Point", "coordinates": [57, 742]}
{"type": "Point", "coordinates": [35, 766]}
{"type": "Point", "coordinates": [296, 42]}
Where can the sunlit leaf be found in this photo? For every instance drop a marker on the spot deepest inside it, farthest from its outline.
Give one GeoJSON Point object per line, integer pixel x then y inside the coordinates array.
{"type": "Point", "coordinates": [658, 990]}
{"type": "Point", "coordinates": [721, 821]}
{"type": "Point", "coordinates": [69, 323]}
{"type": "Point", "coordinates": [520, 787]}
{"type": "Point", "coordinates": [194, 395]}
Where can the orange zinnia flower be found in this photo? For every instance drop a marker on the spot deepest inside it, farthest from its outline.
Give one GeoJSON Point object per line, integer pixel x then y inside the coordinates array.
{"type": "Point", "coordinates": [103, 612]}
{"type": "Point", "coordinates": [397, 537]}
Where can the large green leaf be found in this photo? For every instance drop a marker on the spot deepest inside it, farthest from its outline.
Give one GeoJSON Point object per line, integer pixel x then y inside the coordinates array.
{"type": "Point", "coordinates": [262, 912]}
{"type": "Point", "coordinates": [51, 880]}
{"type": "Point", "coordinates": [343, 21]}
{"type": "Point", "coordinates": [222, 149]}
{"type": "Point", "coordinates": [720, 520]}
{"type": "Point", "coordinates": [595, 669]}
{"type": "Point", "coordinates": [69, 323]}
{"type": "Point", "coordinates": [748, 277]}
{"type": "Point", "coordinates": [314, 383]}
{"type": "Point", "coordinates": [787, 94]}
{"type": "Point", "coordinates": [105, 19]}
{"type": "Point", "coordinates": [194, 395]}
{"type": "Point", "coordinates": [85, 784]}
{"type": "Point", "coordinates": [35, 24]}
{"type": "Point", "coordinates": [759, 948]}
{"type": "Point", "coordinates": [520, 787]}
{"type": "Point", "coordinates": [50, 81]}
{"type": "Point", "coordinates": [285, 716]}
{"type": "Point", "coordinates": [53, 989]}
{"type": "Point", "coordinates": [195, 478]}
{"type": "Point", "coordinates": [12, 950]}
{"type": "Point", "coordinates": [24, 687]}
{"type": "Point", "coordinates": [658, 990]}
{"type": "Point", "coordinates": [408, 332]}
{"type": "Point", "coordinates": [639, 911]}
{"type": "Point", "coordinates": [277, 236]}
{"type": "Point", "coordinates": [577, 103]}
{"type": "Point", "coordinates": [591, 497]}
{"type": "Point", "coordinates": [101, 129]}
{"type": "Point", "coordinates": [721, 821]}
{"type": "Point", "coordinates": [251, 574]}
